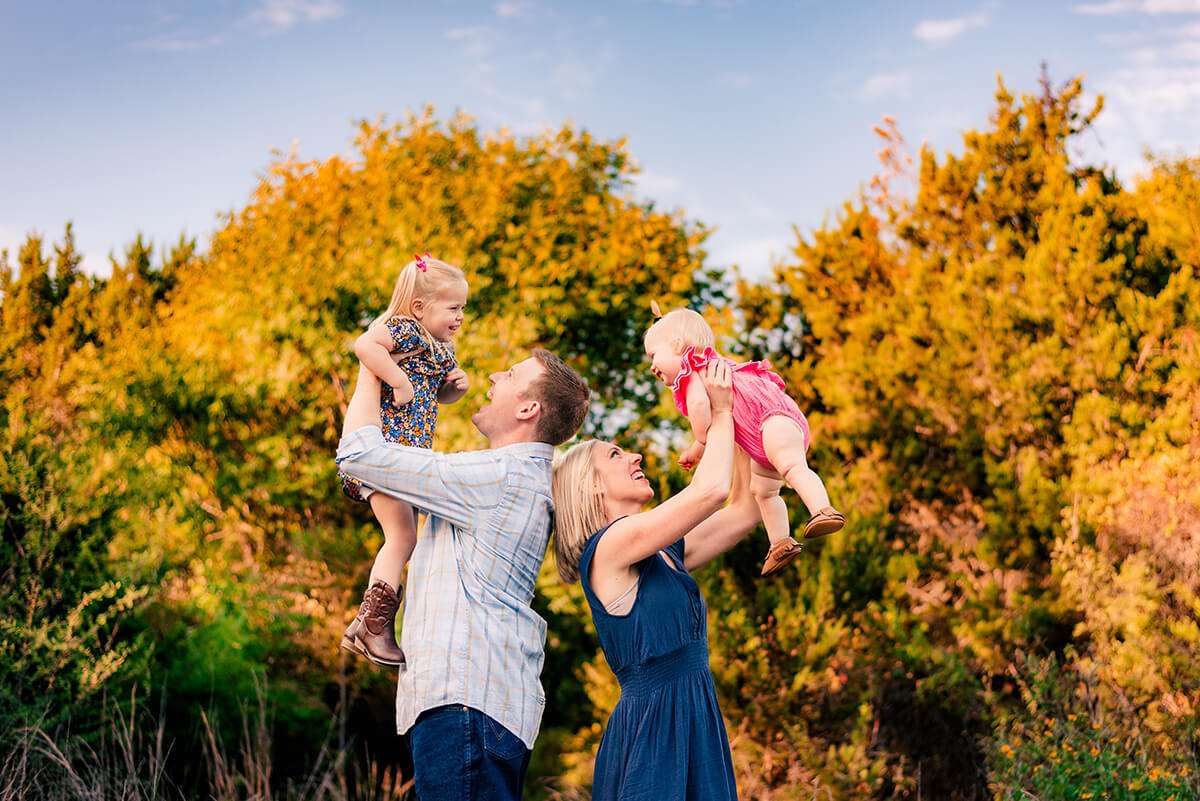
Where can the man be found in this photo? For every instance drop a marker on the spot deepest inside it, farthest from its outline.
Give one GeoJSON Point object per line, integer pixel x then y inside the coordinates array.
{"type": "Point", "coordinates": [471, 699]}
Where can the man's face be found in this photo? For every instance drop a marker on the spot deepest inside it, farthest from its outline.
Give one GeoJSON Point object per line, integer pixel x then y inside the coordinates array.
{"type": "Point", "coordinates": [509, 398]}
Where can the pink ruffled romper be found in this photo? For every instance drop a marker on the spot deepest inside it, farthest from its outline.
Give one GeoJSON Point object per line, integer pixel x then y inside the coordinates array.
{"type": "Point", "coordinates": [757, 394]}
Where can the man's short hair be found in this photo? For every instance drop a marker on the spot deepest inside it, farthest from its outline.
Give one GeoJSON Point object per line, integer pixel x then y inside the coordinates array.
{"type": "Point", "coordinates": [563, 396]}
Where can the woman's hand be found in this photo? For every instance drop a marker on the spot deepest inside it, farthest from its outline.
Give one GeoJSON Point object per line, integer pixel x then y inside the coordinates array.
{"type": "Point", "coordinates": [718, 382]}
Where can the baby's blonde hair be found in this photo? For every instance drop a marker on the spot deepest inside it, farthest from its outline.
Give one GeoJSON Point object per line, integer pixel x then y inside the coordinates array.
{"type": "Point", "coordinates": [415, 283]}
{"type": "Point", "coordinates": [578, 506]}
{"type": "Point", "coordinates": [684, 327]}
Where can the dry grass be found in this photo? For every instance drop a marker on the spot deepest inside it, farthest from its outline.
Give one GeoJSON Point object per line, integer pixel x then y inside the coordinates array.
{"type": "Point", "coordinates": [131, 765]}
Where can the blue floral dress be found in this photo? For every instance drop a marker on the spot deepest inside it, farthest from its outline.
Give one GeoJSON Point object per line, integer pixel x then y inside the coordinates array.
{"type": "Point", "coordinates": [665, 740]}
{"type": "Point", "coordinates": [411, 423]}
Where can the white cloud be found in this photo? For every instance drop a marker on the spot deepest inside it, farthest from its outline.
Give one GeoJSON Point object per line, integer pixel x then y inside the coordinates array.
{"type": "Point", "coordinates": [886, 83]}
{"type": "Point", "coordinates": [1152, 99]}
{"type": "Point", "coordinates": [1143, 6]}
{"type": "Point", "coordinates": [270, 16]}
{"type": "Point", "coordinates": [279, 15]}
{"type": "Point", "coordinates": [1188, 50]}
{"type": "Point", "coordinates": [1104, 9]}
{"type": "Point", "coordinates": [510, 10]}
{"type": "Point", "coordinates": [477, 41]}
{"type": "Point", "coordinates": [936, 32]}
{"type": "Point", "coordinates": [1158, 91]}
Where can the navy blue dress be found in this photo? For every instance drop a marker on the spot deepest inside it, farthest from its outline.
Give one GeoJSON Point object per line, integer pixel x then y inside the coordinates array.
{"type": "Point", "coordinates": [665, 740]}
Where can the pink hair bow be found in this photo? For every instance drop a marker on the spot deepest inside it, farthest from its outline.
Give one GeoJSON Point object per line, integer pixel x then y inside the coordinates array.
{"type": "Point", "coordinates": [421, 265]}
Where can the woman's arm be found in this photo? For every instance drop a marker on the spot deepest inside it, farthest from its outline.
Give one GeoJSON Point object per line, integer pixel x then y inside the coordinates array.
{"type": "Point", "coordinates": [373, 349]}
{"type": "Point", "coordinates": [726, 528]}
{"type": "Point", "coordinates": [631, 539]}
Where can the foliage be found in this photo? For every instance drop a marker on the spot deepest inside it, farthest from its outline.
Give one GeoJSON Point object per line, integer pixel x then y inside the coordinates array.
{"type": "Point", "coordinates": [209, 390]}
{"type": "Point", "coordinates": [1001, 372]}
{"type": "Point", "coordinates": [975, 360]}
{"type": "Point", "coordinates": [1063, 745]}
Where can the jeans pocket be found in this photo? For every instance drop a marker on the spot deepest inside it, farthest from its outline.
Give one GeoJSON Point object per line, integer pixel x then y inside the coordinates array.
{"type": "Point", "coordinates": [499, 741]}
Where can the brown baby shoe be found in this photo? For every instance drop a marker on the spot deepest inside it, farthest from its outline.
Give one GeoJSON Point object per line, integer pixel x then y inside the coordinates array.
{"type": "Point", "coordinates": [826, 521]}
{"type": "Point", "coordinates": [780, 555]}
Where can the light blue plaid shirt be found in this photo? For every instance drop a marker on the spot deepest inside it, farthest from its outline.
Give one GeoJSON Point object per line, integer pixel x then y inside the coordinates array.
{"type": "Point", "coordinates": [469, 634]}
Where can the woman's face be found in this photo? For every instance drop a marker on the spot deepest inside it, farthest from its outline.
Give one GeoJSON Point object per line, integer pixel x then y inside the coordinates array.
{"type": "Point", "coordinates": [620, 474]}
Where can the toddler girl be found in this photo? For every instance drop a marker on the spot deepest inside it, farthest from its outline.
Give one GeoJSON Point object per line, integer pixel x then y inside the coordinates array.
{"type": "Point", "coordinates": [767, 424]}
{"type": "Point", "coordinates": [417, 331]}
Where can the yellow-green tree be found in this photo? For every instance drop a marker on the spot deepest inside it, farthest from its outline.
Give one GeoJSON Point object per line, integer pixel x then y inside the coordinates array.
{"type": "Point", "coordinates": [214, 386]}
{"type": "Point", "coordinates": [956, 350]}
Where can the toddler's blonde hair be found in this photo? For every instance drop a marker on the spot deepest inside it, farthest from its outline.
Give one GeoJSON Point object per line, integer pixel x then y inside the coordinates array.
{"type": "Point", "coordinates": [413, 284]}
{"type": "Point", "coordinates": [684, 327]}
{"type": "Point", "coordinates": [578, 506]}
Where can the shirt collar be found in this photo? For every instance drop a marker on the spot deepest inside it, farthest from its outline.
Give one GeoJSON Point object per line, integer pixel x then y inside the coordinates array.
{"type": "Point", "coordinates": [538, 450]}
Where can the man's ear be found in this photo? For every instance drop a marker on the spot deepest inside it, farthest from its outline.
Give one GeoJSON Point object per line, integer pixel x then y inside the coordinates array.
{"type": "Point", "coordinates": [528, 410]}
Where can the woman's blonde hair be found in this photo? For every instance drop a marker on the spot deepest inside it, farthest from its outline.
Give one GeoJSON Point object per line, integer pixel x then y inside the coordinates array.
{"type": "Point", "coordinates": [578, 506]}
{"type": "Point", "coordinates": [684, 327]}
{"type": "Point", "coordinates": [420, 279]}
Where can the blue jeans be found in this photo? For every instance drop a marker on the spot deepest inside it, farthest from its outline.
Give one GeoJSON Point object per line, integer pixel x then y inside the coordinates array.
{"type": "Point", "coordinates": [461, 754]}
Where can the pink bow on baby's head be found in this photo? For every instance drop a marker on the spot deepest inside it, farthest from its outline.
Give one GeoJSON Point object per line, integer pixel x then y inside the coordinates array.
{"type": "Point", "coordinates": [421, 265]}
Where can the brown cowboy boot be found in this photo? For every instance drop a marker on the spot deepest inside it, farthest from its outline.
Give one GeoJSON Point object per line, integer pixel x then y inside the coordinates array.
{"type": "Point", "coordinates": [375, 638]}
{"type": "Point", "coordinates": [348, 637]}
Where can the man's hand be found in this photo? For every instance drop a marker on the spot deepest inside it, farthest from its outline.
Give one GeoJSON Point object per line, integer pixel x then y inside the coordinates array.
{"type": "Point", "coordinates": [454, 386]}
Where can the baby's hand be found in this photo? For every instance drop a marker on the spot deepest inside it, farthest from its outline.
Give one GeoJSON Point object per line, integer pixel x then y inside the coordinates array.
{"type": "Point", "coordinates": [691, 457]}
{"type": "Point", "coordinates": [458, 377]}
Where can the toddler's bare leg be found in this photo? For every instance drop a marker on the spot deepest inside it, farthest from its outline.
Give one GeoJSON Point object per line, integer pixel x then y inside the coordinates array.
{"type": "Point", "coordinates": [784, 443]}
{"type": "Point", "coordinates": [399, 526]}
{"type": "Point", "coordinates": [765, 484]}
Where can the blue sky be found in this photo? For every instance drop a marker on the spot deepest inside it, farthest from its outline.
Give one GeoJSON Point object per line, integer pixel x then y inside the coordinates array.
{"type": "Point", "coordinates": [754, 117]}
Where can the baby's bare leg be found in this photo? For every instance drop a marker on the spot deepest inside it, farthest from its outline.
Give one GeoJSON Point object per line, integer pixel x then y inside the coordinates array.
{"type": "Point", "coordinates": [784, 443]}
{"type": "Point", "coordinates": [398, 522]}
{"type": "Point", "coordinates": [765, 484]}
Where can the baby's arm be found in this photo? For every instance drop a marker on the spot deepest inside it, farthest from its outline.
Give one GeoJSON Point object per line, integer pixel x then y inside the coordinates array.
{"type": "Point", "coordinates": [373, 349]}
{"type": "Point", "coordinates": [700, 417]}
{"type": "Point", "coordinates": [454, 386]}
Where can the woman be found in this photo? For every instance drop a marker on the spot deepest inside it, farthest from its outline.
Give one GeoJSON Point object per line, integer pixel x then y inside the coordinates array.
{"type": "Point", "coordinates": [665, 739]}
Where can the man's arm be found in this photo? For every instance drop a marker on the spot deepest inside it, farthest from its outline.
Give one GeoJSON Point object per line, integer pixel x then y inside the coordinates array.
{"type": "Point", "coordinates": [447, 486]}
{"type": "Point", "coordinates": [363, 409]}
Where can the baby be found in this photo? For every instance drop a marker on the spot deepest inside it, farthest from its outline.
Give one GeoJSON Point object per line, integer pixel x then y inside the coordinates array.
{"type": "Point", "coordinates": [768, 425]}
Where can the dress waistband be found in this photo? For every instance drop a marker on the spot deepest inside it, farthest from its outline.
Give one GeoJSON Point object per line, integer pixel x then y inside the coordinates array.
{"type": "Point", "coordinates": [691, 658]}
